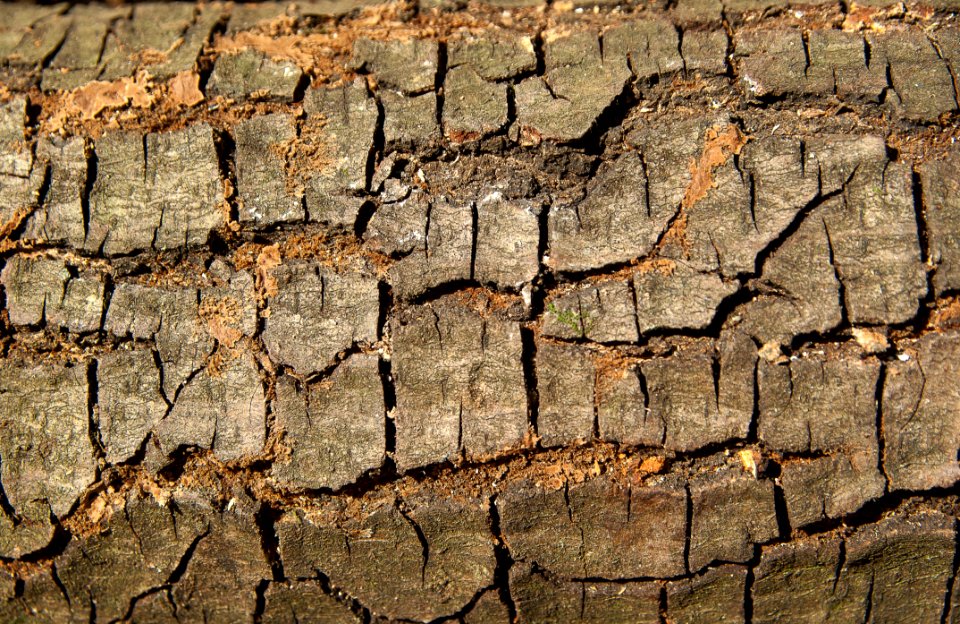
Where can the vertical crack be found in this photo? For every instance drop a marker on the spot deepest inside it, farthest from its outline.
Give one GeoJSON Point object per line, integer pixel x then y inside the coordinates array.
{"type": "Point", "coordinates": [261, 601]}
{"type": "Point", "coordinates": [93, 164]}
{"type": "Point", "coordinates": [631, 283]}
{"type": "Point", "coordinates": [389, 467]}
{"type": "Point", "coordinates": [540, 54]}
{"type": "Point", "coordinates": [364, 214]}
{"type": "Point", "coordinates": [729, 69]}
{"type": "Point", "coordinates": [460, 448]}
{"type": "Point", "coordinates": [841, 561]}
{"type": "Point", "coordinates": [108, 289]}
{"type": "Point", "coordinates": [754, 427]}
{"type": "Point", "coordinates": [841, 289]}
{"type": "Point", "coordinates": [266, 518]}
{"type": "Point", "coordinates": [583, 599]}
{"type": "Point", "coordinates": [158, 362]}
{"type": "Point", "coordinates": [753, 199]}
{"type": "Point", "coordinates": [867, 52]}
{"type": "Point", "coordinates": [923, 237]}
{"type": "Point", "coordinates": [226, 148]}
{"type": "Point", "coordinates": [662, 605]}
{"type": "Point", "coordinates": [803, 160]}
{"type": "Point", "coordinates": [888, 76]}
{"type": "Point", "coordinates": [595, 402]}
{"type": "Point", "coordinates": [715, 373]}
{"type": "Point", "coordinates": [528, 345]}
{"type": "Point", "coordinates": [647, 410]}
{"type": "Point", "coordinates": [881, 440]}
{"type": "Point", "coordinates": [440, 78]}
{"type": "Point", "coordinates": [184, 562]}
{"type": "Point", "coordinates": [359, 610]}
{"type": "Point", "coordinates": [474, 234]}
{"type": "Point", "coordinates": [538, 294]}
{"type": "Point", "coordinates": [868, 611]}
{"type": "Point", "coordinates": [504, 561]}
{"type": "Point", "coordinates": [922, 230]}
{"type": "Point", "coordinates": [43, 191]}
{"type": "Point", "coordinates": [683, 60]}
{"type": "Point", "coordinates": [93, 418]}
{"type": "Point", "coordinates": [426, 230]}
{"type": "Point", "coordinates": [748, 586]}
{"type": "Point", "coordinates": [377, 147]}
{"type": "Point", "coordinates": [204, 63]}
{"type": "Point", "coordinates": [780, 509]}
{"type": "Point", "coordinates": [385, 370]}
{"type": "Point", "coordinates": [5, 505]}
{"type": "Point", "coordinates": [646, 183]}
{"type": "Point", "coordinates": [953, 77]}
{"type": "Point", "coordinates": [55, 576]}
{"type": "Point", "coordinates": [424, 544]}
{"type": "Point", "coordinates": [566, 500]}
{"type": "Point", "coordinates": [805, 39]}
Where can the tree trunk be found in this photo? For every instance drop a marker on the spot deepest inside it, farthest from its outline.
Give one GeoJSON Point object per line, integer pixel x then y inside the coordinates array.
{"type": "Point", "coordinates": [337, 312]}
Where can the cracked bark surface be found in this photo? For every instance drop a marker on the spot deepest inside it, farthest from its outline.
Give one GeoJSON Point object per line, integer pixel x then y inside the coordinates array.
{"type": "Point", "coordinates": [342, 311]}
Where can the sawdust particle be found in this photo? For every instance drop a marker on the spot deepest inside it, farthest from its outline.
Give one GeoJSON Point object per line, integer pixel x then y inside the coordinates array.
{"type": "Point", "coordinates": [92, 99]}
{"type": "Point", "coordinates": [720, 143]}
{"type": "Point", "coordinates": [184, 89]}
{"type": "Point", "coordinates": [267, 260]}
{"type": "Point", "coordinates": [304, 155]}
{"type": "Point", "coordinates": [223, 317]}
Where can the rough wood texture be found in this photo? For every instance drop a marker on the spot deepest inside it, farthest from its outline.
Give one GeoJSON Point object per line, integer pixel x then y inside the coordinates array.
{"type": "Point", "coordinates": [338, 311]}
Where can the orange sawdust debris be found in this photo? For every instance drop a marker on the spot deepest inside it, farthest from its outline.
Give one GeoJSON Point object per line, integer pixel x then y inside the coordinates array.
{"type": "Point", "coordinates": [218, 360]}
{"type": "Point", "coordinates": [267, 260]}
{"type": "Point", "coordinates": [184, 89]}
{"type": "Point", "coordinates": [245, 256]}
{"type": "Point", "coordinates": [922, 144]}
{"type": "Point", "coordinates": [947, 315]}
{"type": "Point", "coordinates": [93, 517]}
{"type": "Point", "coordinates": [150, 56]}
{"type": "Point", "coordinates": [304, 155]}
{"type": "Point", "coordinates": [677, 234]}
{"type": "Point", "coordinates": [860, 18]}
{"type": "Point", "coordinates": [8, 228]}
{"type": "Point", "coordinates": [484, 301]}
{"type": "Point", "coordinates": [90, 100]}
{"type": "Point", "coordinates": [141, 105]}
{"type": "Point", "coordinates": [307, 51]}
{"type": "Point", "coordinates": [720, 143]}
{"type": "Point", "coordinates": [223, 317]}
{"type": "Point", "coordinates": [172, 270]}
{"type": "Point", "coordinates": [611, 366]}
{"type": "Point", "coordinates": [750, 460]}
{"type": "Point", "coordinates": [552, 471]}
{"type": "Point", "coordinates": [871, 341]}
{"type": "Point", "coordinates": [663, 266]}
{"type": "Point", "coordinates": [337, 251]}
{"type": "Point", "coordinates": [653, 465]}
{"type": "Point", "coordinates": [642, 266]}
{"type": "Point", "coordinates": [334, 250]}
{"type": "Point", "coordinates": [321, 54]}
{"type": "Point", "coordinates": [324, 54]}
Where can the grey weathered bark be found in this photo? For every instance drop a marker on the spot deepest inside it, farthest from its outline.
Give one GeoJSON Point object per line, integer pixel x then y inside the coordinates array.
{"type": "Point", "coordinates": [517, 312]}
